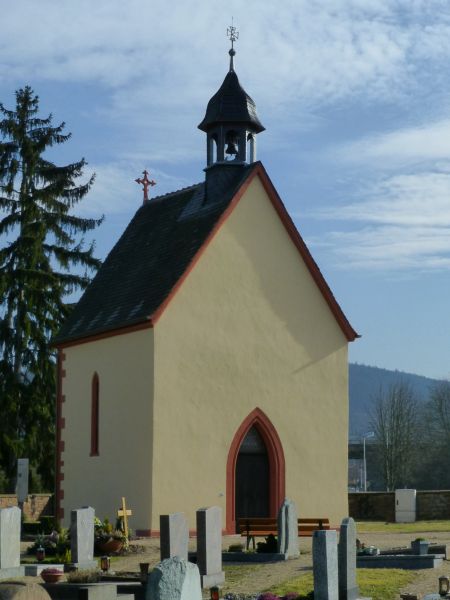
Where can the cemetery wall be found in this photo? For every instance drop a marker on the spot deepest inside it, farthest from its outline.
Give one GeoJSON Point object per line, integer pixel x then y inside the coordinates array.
{"type": "Point", "coordinates": [35, 505]}
{"type": "Point", "coordinates": [124, 364]}
{"type": "Point", "coordinates": [372, 506]}
{"type": "Point", "coordinates": [249, 328]}
{"type": "Point", "coordinates": [380, 506]}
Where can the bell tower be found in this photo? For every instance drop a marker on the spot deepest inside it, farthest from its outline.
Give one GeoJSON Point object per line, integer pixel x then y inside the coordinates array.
{"type": "Point", "coordinates": [231, 123]}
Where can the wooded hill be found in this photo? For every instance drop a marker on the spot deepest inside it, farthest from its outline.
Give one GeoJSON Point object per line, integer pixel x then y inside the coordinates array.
{"type": "Point", "coordinates": [364, 385]}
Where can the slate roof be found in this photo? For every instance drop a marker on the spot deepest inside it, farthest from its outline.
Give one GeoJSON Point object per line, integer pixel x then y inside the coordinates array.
{"type": "Point", "coordinates": [150, 257]}
{"type": "Point", "coordinates": [231, 104]}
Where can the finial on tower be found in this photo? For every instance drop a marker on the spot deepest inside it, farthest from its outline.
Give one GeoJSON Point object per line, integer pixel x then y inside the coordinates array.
{"type": "Point", "coordinates": [233, 35]}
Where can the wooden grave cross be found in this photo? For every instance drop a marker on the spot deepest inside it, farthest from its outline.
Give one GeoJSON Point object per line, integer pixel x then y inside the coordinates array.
{"type": "Point", "coordinates": [124, 512]}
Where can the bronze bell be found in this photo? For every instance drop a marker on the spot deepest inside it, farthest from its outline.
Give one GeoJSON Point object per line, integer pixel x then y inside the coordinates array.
{"type": "Point", "coordinates": [231, 148]}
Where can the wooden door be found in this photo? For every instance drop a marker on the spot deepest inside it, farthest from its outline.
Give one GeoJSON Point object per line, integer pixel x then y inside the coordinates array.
{"type": "Point", "coordinates": [252, 477]}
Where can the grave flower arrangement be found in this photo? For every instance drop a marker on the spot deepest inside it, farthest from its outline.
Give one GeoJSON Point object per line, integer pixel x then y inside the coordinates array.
{"type": "Point", "coordinates": [108, 539]}
{"type": "Point", "coordinates": [55, 544]}
{"type": "Point", "coordinates": [270, 545]}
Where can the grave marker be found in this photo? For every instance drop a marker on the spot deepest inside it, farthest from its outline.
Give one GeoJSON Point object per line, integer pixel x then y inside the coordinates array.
{"type": "Point", "coordinates": [82, 537]}
{"type": "Point", "coordinates": [348, 588]}
{"type": "Point", "coordinates": [174, 579]}
{"type": "Point", "coordinates": [174, 536]}
{"type": "Point", "coordinates": [22, 480]}
{"type": "Point", "coordinates": [325, 565]}
{"type": "Point", "coordinates": [288, 529]}
{"type": "Point", "coordinates": [209, 546]}
{"type": "Point", "coordinates": [10, 519]}
{"type": "Point", "coordinates": [124, 513]}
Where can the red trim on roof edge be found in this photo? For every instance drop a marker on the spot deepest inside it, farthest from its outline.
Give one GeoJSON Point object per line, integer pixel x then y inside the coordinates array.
{"type": "Point", "coordinates": [295, 236]}
{"type": "Point", "coordinates": [316, 273]}
{"type": "Point", "coordinates": [106, 334]}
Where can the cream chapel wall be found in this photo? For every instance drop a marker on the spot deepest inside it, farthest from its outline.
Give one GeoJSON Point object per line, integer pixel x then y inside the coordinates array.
{"type": "Point", "coordinates": [249, 328]}
{"type": "Point", "coordinates": [124, 364]}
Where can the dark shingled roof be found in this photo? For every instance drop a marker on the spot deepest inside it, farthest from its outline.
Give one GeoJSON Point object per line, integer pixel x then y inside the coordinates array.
{"type": "Point", "coordinates": [151, 256]}
{"type": "Point", "coordinates": [231, 104]}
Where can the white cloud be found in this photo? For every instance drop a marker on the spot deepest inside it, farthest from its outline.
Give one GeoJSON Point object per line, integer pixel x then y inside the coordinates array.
{"type": "Point", "coordinates": [390, 248]}
{"type": "Point", "coordinates": [404, 224]}
{"type": "Point", "coordinates": [115, 190]}
{"type": "Point", "coordinates": [406, 146]}
{"type": "Point", "coordinates": [306, 51]}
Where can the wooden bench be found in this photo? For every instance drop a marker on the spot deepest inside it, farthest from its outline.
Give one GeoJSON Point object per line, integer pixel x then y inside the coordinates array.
{"type": "Point", "coordinates": [252, 527]}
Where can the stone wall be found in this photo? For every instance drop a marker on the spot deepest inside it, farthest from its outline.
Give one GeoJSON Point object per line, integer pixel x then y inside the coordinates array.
{"type": "Point", "coordinates": [35, 505]}
{"type": "Point", "coordinates": [380, 506]}
{"type": "Point", "coordinates": [433, 505]}
{"type": "Point", "coordinates": [372, 506]}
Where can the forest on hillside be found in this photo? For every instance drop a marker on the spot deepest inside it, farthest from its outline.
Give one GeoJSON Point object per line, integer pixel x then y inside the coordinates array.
{"type": "Point", "coordinates": [405, 422]}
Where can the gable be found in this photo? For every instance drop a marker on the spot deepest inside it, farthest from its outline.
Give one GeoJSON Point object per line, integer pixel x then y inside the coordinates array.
{"type": "Point", "coordinates": [157, 251]}
{"type": "Point", "coordinates": [251, 272]}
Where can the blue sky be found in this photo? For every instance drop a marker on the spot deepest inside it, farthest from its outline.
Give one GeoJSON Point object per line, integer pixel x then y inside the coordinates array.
{"type": "Point", "coordinates": [355, 98]}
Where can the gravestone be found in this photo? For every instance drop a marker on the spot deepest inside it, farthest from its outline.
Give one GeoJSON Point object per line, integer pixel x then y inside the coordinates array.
{"type": "Point", "coordinates": [174, 579]}
{"type": "Point", "coordinates": [209, 546]}
{"type": "Point", "coordinates": [10, 543]}
{"type": "Point", "coordinates": [82, 538]}
{"type": "Point", "coordinates": [325, 565]}
{"type": "Point", "coordinates": [174, 536]}
{"type": "Point", "coordinates": [22, 479]}
{"type": "Point", "coordinates": [348, 588]}
{"type": "Point", "coordinates": [288, 530]}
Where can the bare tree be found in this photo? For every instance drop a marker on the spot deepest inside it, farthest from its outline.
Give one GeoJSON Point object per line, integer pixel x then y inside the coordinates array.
{"type": "Point", "coordinates": [395, 423]}
{"type": "Point", "coordinates": [438, 410]}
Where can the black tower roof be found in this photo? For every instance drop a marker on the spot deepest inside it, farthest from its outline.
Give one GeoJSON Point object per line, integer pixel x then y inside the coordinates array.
{"type": "Point", "coordinates": [231, 104]}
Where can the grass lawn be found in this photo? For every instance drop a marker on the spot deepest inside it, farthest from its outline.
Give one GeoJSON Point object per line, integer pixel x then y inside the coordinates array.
{"type": "Point", "coordinates": [417, 527]}
{"type": "Point", "coordinates": [380, 584]}
{"type": "Point", "coordinates": [235, 573]}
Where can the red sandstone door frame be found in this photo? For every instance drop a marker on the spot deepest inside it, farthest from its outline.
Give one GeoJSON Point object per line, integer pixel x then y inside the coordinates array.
{"type": "Point", "coordinates": [257, 418]}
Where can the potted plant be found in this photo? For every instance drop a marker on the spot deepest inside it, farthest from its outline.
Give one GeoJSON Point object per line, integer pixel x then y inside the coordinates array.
{"type": "Point", "coordinates": [107, 539]}
{"type": "Point", "coordinates": [51, 575]}
{"type": "Point", "coordinates": [419, 546]}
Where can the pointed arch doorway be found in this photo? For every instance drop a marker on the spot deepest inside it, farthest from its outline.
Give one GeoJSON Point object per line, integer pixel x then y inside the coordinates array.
{"type": "Point", "coordinates": [255, 470]}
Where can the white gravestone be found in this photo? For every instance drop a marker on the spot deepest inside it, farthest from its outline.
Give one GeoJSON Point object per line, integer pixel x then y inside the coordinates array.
{"type": "Point", "coordinates": [174, 536]}
{"type": "Point", "coordinates": [325, 565]}
{"type": "Point", "coordinates": [288, 530]}
{"type": "Point", "coordinates": [209, 546]}
{"type": "Point", "coordinates": [82, 537]}
{"type": "Point", "coordinates": [174, 579]}
{"type": "Point", "coordinates": [10, 543]}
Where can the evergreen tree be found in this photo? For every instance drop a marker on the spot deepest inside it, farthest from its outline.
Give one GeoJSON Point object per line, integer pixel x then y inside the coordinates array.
{"type": "Point", "coordinates": [43, 258]}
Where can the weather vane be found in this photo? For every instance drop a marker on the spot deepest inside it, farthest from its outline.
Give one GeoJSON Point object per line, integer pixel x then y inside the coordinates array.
{"type": "Point", "coordinates": [145, 182]}
{"type": "Point", "coordinates": [233, 35]}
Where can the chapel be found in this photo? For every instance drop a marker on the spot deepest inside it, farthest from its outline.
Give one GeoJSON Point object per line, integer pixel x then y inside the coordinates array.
{"type": "Point", "coordinates": [206, 364]}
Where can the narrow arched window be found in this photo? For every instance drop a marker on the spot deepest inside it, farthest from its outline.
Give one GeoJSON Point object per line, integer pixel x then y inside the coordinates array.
{"type": "Point", "coordinates": [94, 415]}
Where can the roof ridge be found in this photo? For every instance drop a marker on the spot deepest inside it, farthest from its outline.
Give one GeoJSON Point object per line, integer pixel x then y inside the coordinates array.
{"type": "Point", "coordinates": [165, 196]}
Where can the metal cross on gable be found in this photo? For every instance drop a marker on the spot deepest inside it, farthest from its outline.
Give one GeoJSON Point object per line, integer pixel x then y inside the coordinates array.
{"type": "Point", "coordinates": [145, 182]}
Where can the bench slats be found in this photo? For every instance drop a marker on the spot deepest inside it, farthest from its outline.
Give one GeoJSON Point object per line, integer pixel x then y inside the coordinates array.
{"type": "Point", "coordinates": [264, 526]}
